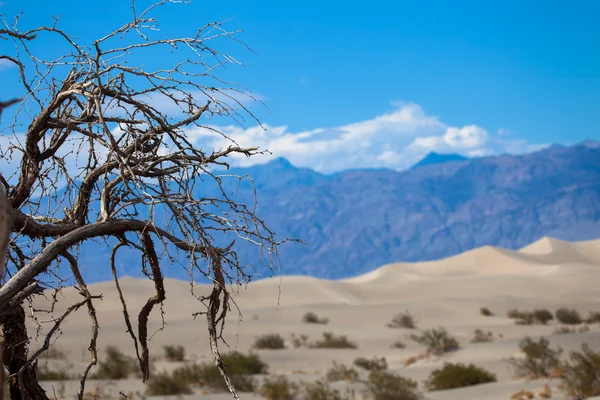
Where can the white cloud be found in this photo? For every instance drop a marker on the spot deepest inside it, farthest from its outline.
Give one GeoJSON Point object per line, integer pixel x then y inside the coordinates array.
{"type": "Point", "coordinates": [396, 139]}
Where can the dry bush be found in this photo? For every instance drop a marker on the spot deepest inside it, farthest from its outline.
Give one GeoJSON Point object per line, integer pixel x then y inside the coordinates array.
{"type": "Point", "coordinates": [116, 365]}
{"type": "Point", "coordinates": [174, 353]}
{"type": "Point", "coordinates": [383, 385]}
{"type": "Point", "coordinates": [301, 341]}
{"type": "Point", "coordinates": [437, 340]}
{"type": "Point", "coordinates": [402, 320]}
{"type": "Point", "coordinates": [568, 316]}
{"type": "Point", "coordinates": [543, 316]}
{"type": "Point", "coordinates": [398, 344]}
{"type": "Point", "coordinates": [593, 318]}
{"type": "Point", "coordinates": [45, 373]}
{"type": "Point", "coordinates": [319, 390]}
{"type": "Point", "coordinates": [522, 395]}
{"type": "Point", "coordinates": [312, 318]}
{"type": "Point", "coordinates": [539, 361]}
{"type": "Point", "coordinates": [486, 312]}
{"type": "Point", "coordinates": [278, 388]}
{"type": "Point", "coordinates": [480, 336]}
{"type": "Point", "coordinates": [341, 372]}
{"type": "Point", "coordinates": [581, 374]}
{"type": "Point", "coordinates": [452, 376]}
{"type": "Point", "coordinates": [374, 364]}
{"type": "Point", "coordinates": [330, 341]}
{"type": "Point", "coordinates": [271, 341]}
{"type": "Point", "coordinates": [165, 384]}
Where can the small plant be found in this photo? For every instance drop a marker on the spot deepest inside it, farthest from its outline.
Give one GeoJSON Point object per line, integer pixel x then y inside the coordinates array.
{"type": "Point", "coordinates": [480, 336]}
{"type": "Point", "coordinates": [581, 374]}
{"type": "Point", "coordinates": [593, 318]}
{"type": "Point", "coordinates": [319, 390]}
{"type": "Point", "coordinates": [568, 316]}
{"type": "Point", "coordinates": [437, 341]}
{"type": "Point", "coordinates": [374, 364]}
{"type": "Point", "coordinates": [452, 376]}
{"type": "Point", "coordinates": [543, 316]}
{"type": "Point", "coordinates": [402, 320]}
{"type": "Point", "coordinates": [340, 372]}
{"type": "Point", "coordinates": [174, 353]}
{"type": "Point", "coordinates": [398, 344]}
{"type": "Point", "coordinates": [278, 388]}
{"type": "Point", "coordinates": [330, 341]}
{"type": "Point", "coordinates": [540, 360]}
{"type": "Point", "coordinates": [44, 373]}
{"type": "Point", "coordinates": [269, 341]}
{"type": "Point", "coordinates": [301, 341]}
{"type": "Point", "coordinates": [486, 312]}
{"type": "Point", "coordinates": [164, 384]}
{"type": "Point", "coordinates": [383, 385]}
{"type": "Point", "coordinates": [312, 318]}
{"type": "Point", "coordinates": [116, 365]}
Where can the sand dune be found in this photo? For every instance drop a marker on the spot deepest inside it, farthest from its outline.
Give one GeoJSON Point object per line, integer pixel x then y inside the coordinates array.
{"type": "Point", "coordinates": [548, 273]}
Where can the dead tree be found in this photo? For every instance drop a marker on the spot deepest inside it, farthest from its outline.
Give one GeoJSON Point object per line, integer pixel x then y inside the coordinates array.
{"type": "Point", "coordinates": [95, 144]}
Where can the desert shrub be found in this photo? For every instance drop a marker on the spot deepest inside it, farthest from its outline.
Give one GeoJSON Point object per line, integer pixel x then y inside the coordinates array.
{"type": "Point", "coordinates": [561, 330]}
{"type": "Point", "coordinates": [402, 320]}
{"type": "Point", "coordinates": [542, 315]}
{"type": "Point", "coordinates": [480, 336]}
{"type": "Point", "coordinates": [485, 312]}
{"type": "Point", "coordinates": [525, 319]}
{"type": "Point", "coordinates": [437, 341]}
{"type": "Point", "coordinates": [522, 395]}
{"type": "Point", "coordinates": [239, 366]}
{"type": "Point", "coordinates": [301, 341]}
{"type": "Point", "coordinates": [175, 353]}
{"type": "Point", "coordinates": [568, 316]}
{"type": "Point", "coordinates": [312, 318]}
{"type": "Point", "coordinates": [44, 373]}
{"type": "Point", "coordinates": [319, 390]}
{"type": "Point", "coordinates": [581, 374]}
{"type": "Point", "coordinates": [116, 365]}
{"type": "Point", "coordinates": [593, 318]}
{"type": "Point", "coordinates": [340, 372]}
{"type": "Point", "coordinates": [540, 360]}
{"type": "Point", "coordinates": [330, 341]}
{"type": "Point", "coordinates": [452, 376]}
{"type": "Point", "coordinates": [383, 385]}
{"type": "Point", "coordinates": [374, 364]}
{"type": "Point", "coordinates": [165, 384]}
{"type": "Point", "coordinates": [278, 388]}
{"type": "Point", "coordinates": [398, 344]}
{"type": "Point", "coordinates": [272, 341]}
{"type": "Point", "coordinates": [515, 314]}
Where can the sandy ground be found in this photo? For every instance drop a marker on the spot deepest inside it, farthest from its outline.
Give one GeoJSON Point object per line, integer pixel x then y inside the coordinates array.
{"type": "Point", "coordinates": [448, 293]}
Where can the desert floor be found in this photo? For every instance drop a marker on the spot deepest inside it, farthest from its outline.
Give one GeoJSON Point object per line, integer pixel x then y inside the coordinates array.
{"type": "Point", "coordinates": [446, 293]}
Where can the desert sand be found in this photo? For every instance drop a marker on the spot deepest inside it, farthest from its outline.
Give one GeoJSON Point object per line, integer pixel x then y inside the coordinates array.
{"type": "Point", "coordinates": [449, 293]}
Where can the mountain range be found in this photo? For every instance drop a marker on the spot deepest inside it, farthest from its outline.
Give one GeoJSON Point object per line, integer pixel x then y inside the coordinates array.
{"type": "Point", "coordinates": [355, 221]}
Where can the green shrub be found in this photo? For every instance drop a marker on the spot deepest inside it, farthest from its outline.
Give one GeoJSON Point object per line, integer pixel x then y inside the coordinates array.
{"type": "Point", "coordinates": [312, 318]}
{"type": "Point", "coordinates": [175, 353]}
{"type": "Point", "coordinates": [271, 341]}
{"type": "Point", "coordinates": [278, 388]}
{"type": "Point", "coordinates": [238, 365]}
{"type": "Point", "coordinates": [437, 341]}
{"type": "Point", "coordinates": [374, 364]}
{"type": "Point", "coordinates": [568, 316]}
{"type": "Point", "coordinates": [402, 320]}
{"type": "Point", "coordinates": [486, 312]}
{"type": "Point", "coordinates": [164, 384]}
{"type": "Point", "coordinates": [593, 318]}
{"type": "Point", "coordinates": [330, 341]}
{"type": "Point", "coordinates": [480, 336]}
{"type": "Point", "coordinates": [383, 385]}
{"type": "Point", "coordinates": [452, 376]}
{"type": "Point", "coordinates": [319, 390]}
{"type": "Point", "coordinates": [581, 374]}
{"type": "Point", "coordinates": [340, 372]}
{"type": "Point", "coordinates": [116, 365]}
{"type": "Point", "coordinates": [543, 316]}
{"type": "Point", "coordinates": [540, 360]}
{"type": "Point", "coordinates": [44, 373]}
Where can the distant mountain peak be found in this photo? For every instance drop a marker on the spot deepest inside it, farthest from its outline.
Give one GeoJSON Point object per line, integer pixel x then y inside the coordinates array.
{"type": "Point", "coordinates": [590, 143]}
{"type": "Point", "coordinates": [280, 162]}
{"type": "Point", "coordinates": [437, 158]}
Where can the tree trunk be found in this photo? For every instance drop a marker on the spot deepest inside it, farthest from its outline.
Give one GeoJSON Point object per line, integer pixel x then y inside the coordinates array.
{"type": "Point", "coordinates": [15, 356]}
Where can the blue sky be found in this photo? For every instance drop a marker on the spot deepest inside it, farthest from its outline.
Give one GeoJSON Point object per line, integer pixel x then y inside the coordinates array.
{"type": "Point", "coordinates": [380, 83]}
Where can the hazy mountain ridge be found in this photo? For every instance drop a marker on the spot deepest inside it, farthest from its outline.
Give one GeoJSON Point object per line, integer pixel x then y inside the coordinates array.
{"type": "Point", "coordinates": [356, 221]}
